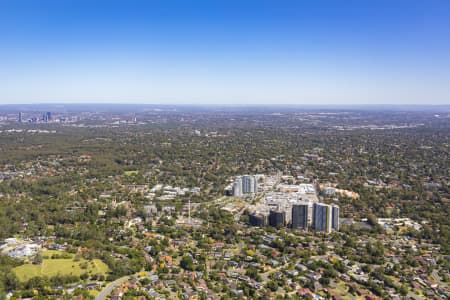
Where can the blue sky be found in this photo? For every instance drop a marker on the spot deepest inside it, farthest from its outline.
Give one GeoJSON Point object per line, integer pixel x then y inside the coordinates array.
{"type": "Point", "coordinates": [225, 52]}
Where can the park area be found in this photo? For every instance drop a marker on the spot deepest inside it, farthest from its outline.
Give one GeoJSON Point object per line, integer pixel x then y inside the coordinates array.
{"type": "Point", "coordinates": [60, 266]}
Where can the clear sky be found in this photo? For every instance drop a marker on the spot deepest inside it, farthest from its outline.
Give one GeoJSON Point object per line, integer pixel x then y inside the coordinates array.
{"type": "Point", "coordinates": [225, 52]}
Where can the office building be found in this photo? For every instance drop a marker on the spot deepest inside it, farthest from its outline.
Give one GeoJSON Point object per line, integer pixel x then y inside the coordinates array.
{"type": "Point", "coordinates": [335, 217]}
{"type": "Point", "coordinates": [322, 217]}
{"type": "Point", "coordinates": [237, 187]}
{"type": "Point", "coordinates": [249, 184]}
{"type": "Point", "coordinates": [300, 216]}
{"type": "Point", "coordinates": [277, 218]}
{"type": "Point", "coordinates": [259, 219]}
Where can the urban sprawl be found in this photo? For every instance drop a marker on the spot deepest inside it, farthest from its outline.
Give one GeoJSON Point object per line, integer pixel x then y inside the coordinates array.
{"type": "Point", "coordinates": [150, 202]}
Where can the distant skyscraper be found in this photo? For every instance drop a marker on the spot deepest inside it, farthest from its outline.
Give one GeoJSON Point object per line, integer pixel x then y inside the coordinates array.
{"type": "Point", "coordinates": [335, 217]}
{"type": "Point", "coordinates": [249, 184]}
{"type": "Point", "coordinates": [322, 217]}
{"type": "Point", "coordinates": [20, 117]}
{"type": "Point", "coordinates": [244, 185]}
{"type": "Point", "coordinates": [237, 187]}
{"type": "Point", "coordinates": [48, 116]}
{"type": "Point", "coordinates": [300, 216]}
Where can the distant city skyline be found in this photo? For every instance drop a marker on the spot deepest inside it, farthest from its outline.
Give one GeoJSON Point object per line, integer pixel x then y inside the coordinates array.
{"type": "Point", "coordinates": [225, 52]}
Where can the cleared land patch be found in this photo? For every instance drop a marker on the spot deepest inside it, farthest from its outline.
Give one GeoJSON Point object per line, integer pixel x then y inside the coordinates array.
{"type": "Point", "coordinates": [60, 266]}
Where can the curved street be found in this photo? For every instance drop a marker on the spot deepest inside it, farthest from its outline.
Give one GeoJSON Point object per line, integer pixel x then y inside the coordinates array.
{"type": "Point", "coordinates": [110, 287]}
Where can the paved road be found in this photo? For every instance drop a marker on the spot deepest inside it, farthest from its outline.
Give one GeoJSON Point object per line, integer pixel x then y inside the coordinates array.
{"type": "Point", "coordinates": [110, 287]}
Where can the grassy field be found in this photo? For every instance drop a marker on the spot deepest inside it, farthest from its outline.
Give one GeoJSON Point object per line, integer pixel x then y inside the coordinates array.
{"type": "Point", "coordinates": [51, 267]}
{"type": "Point", "coordinates": [129, 173]}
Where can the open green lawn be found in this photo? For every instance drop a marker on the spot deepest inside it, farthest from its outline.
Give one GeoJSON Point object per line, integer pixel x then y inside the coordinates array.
{"type": "Point", "coordinates": [129, 173]}
{"type": "Point", "coordinates": [49, 253]}
{"type": "Point", "coordinates": [52, 267]}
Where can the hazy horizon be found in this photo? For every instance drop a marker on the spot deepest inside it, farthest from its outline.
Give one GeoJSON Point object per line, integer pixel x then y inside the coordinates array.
{"type": "Point", "coordinates": [23, 107]}
{"type": "Point", "coordinates": [225, 52]}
